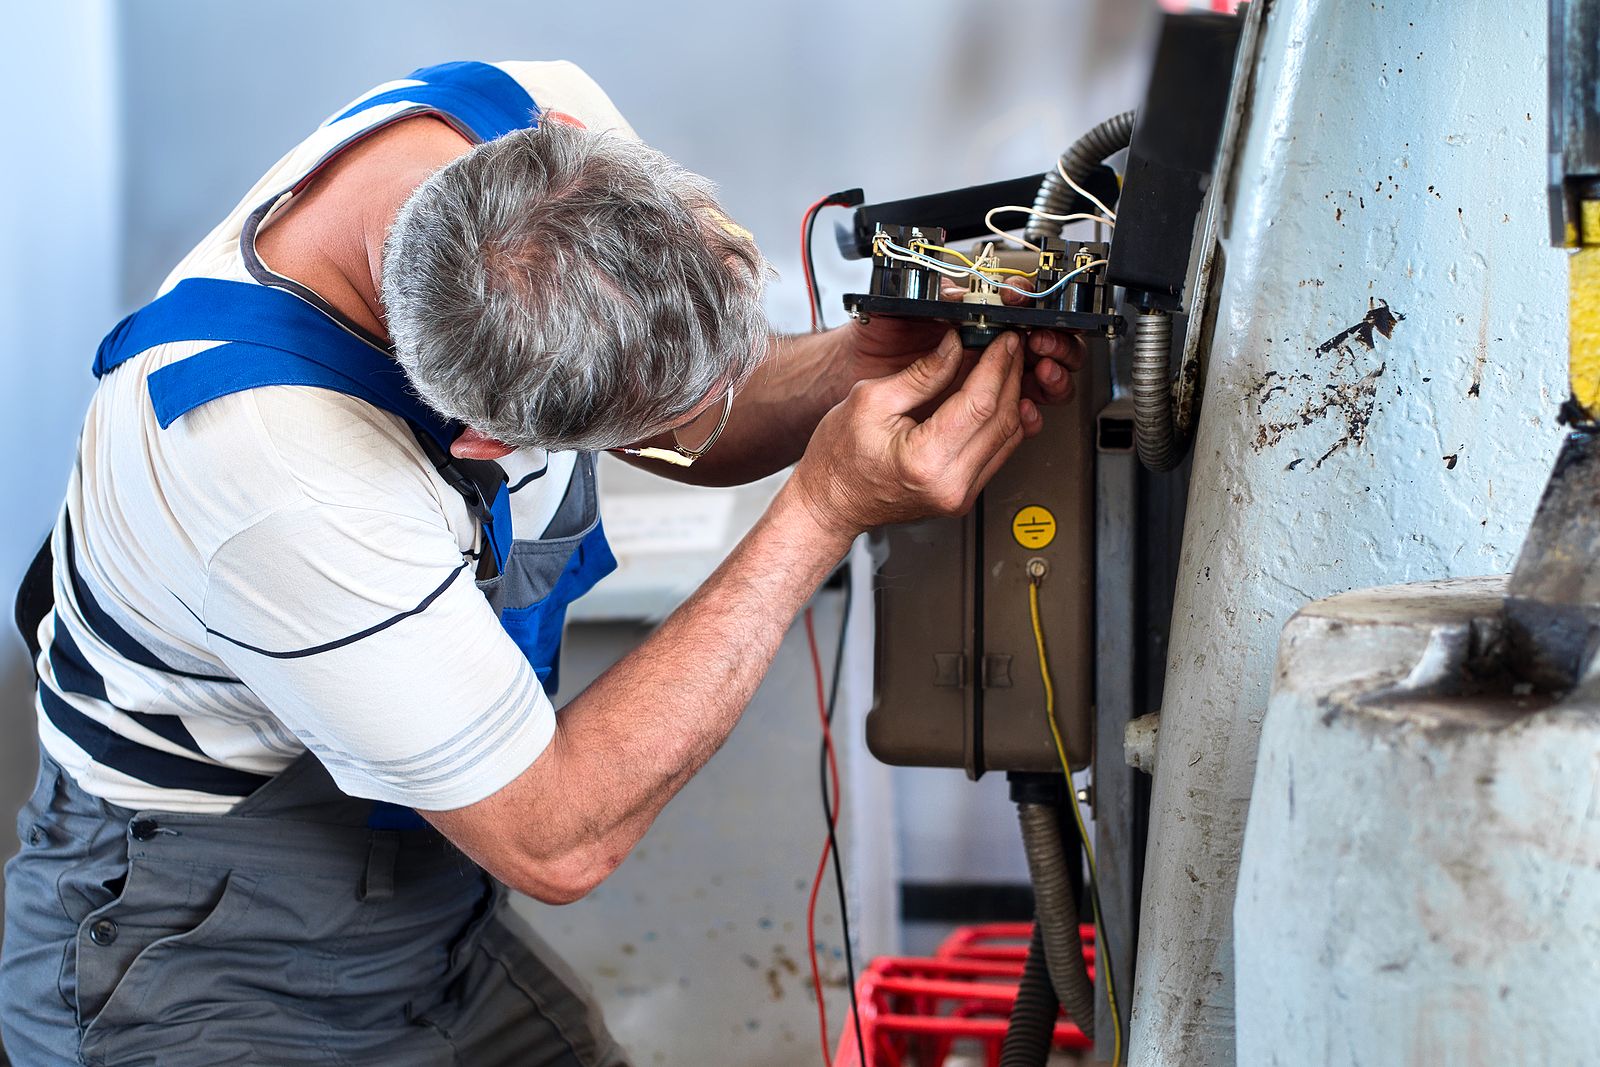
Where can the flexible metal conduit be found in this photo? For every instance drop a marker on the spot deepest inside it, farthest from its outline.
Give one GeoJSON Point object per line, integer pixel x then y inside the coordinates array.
{"type": "Point", "coordinates": [1056, 912]}
{"type": "Point", "coordinates": [1086, 153]}
{"type": "Point", "coordinates": [1152, 392]}
{"type": "Point", "coordinates": [1154, 433]}
{"type": "Point", "coordinates": [1032, 1028]}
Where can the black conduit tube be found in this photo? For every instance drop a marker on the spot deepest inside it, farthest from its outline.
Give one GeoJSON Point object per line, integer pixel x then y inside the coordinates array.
{"type": "Point", "coordinates": [1086, 153]}
{"type": "Point", "coordinates": [1056, 911]}
{"type": "Point", "coordinates": [1032, 1028]}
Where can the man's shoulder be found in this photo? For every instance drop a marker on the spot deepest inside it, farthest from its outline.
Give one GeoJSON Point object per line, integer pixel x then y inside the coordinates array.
{"type": "Point", "coordinates": [561, 85]}
{"type": "Point", "coordinates": [313, 442]}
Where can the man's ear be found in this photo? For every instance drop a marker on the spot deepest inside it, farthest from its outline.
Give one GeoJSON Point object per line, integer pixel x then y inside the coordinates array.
{"type": "Point", "coordinates": [474, 445]}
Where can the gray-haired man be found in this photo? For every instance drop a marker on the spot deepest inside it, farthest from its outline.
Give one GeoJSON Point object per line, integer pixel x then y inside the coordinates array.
{"type": "Point", "coordinates": [298, 620]}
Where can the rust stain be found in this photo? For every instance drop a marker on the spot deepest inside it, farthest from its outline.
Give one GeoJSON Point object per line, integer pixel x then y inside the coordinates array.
{"type": "Point", "coordinates": [1346, 394]}
{"type": "Point", "coordinates": [1481, 357]}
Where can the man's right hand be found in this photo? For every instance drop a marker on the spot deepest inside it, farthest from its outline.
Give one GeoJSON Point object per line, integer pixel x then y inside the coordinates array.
{"type": "Point", "coordinates": [872, 461]}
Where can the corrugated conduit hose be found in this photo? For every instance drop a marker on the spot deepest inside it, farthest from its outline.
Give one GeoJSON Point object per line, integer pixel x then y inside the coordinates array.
{"type": "Point", "coordinates": [1153, 434]}
{"type": "Point", "coordinates": [1086, 153]}
{"type": "Point", "coordinates": [1056, 914]}
{"type": "Point", "coordinates": [1032, 1029]}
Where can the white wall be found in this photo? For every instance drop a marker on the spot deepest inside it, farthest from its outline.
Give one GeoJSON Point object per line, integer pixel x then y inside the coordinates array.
{"type": "Point", "coordinates": [779, 103]}
{"type": "Point", "coordinates": [59, 244]}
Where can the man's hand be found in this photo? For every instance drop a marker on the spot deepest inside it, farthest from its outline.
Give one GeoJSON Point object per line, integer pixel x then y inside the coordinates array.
{"type": "Point", "coordinates": [872, 461]}
{"type": "Point", "coordinates": [884, 345]}
{"type": "Point", "coordinates": [625, 745]}
{"type": "Point", "coordinates": [775, 413]}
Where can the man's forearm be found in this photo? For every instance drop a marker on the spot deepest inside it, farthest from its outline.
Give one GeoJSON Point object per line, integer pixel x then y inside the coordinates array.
{"type": "Point", "coordinates": [628, 743]}
{"type": "Point", "coordinates": [775, 412]}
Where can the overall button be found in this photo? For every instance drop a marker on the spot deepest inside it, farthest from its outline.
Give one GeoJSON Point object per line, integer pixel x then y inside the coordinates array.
{"type": "Point", "coordinates": [143, 829]}
{"type": "Point", "coordinates": [103, 932]}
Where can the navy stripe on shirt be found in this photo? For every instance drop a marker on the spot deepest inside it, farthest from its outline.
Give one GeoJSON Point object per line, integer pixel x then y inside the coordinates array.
{"type": "Point", "coordinates": [74, 675]}
{"type": "Point", "coordinates": [161, 769]}
{"type": "Point", "coordinates": [104, 627]}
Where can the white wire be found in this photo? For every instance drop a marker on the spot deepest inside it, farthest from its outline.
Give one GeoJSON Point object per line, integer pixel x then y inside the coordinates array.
{"type": "Point", "coordinates": [906, 255]}
{"type": "Point", "coordinates": [949, 270]}
{"type": "Point", "coordinates": [988, 220]}
{"type": "Point", "coordinates": [1086, 194]}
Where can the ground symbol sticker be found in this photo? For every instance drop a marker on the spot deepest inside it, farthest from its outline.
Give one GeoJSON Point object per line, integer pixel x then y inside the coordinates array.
{"type": "Point", "coordinates": [1034, 527]}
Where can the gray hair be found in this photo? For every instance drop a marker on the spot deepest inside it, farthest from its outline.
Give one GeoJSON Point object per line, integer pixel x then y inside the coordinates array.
{"type": "Point", "coordinates": [567, 289]}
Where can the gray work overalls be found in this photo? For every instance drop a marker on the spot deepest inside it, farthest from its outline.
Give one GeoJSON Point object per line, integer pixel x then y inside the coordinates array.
{"type": "Point", "coordinates": [303, 926]}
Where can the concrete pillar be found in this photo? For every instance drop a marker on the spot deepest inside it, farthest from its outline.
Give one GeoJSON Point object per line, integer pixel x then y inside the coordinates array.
{"type": "Point", "coordinates": [1421, 870]}
{"type": "Point", "coordinates": [1386, 365]}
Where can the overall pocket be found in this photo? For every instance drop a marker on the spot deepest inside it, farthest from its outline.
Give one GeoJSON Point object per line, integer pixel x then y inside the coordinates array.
{"type": "Point", "coordinates": [536, 627]}
{"type": "Point", "coordinates": [152, 951]}
{"type": "Point", "coordinates": [540, 578]}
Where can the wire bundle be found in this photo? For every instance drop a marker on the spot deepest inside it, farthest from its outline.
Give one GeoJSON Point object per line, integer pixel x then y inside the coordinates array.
{"type": "Point", "coordinates": [885, 247]}
{"type": "Point", "coordinates": [829, 766]}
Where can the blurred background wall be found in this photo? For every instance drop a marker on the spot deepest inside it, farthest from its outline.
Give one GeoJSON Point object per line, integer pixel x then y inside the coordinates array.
{"type": "Point", "coordinates": [135, 126]}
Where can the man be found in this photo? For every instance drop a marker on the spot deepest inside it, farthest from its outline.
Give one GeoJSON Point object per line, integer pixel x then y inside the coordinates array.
{"type": "Point", "coordinates": [299, 618]}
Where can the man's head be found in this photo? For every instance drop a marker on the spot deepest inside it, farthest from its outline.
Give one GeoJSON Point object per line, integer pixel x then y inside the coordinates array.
{"type": "Point", "coordinates": [568, 289]}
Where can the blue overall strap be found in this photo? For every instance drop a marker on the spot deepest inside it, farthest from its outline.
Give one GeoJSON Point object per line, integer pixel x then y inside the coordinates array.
{"type": "Point", "coordinates": [272, 338]}
{"type": "Point", "coordinates": [484, 98]}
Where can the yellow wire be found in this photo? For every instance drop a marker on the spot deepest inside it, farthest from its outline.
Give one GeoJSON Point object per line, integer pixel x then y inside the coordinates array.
{"type": "Point", "coordinates": [1103, 950]}
{"type": "Point", "coordinates": [926, 247]}
{"type": "Point", "coordinates": [941, 248]}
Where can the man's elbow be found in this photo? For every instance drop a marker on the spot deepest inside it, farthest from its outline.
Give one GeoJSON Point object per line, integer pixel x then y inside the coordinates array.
{"type": "Point", "coordinates": [564, 878]}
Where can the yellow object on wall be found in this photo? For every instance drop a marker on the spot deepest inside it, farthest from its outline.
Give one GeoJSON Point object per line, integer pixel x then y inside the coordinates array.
{"type": "Point", "coordinates": [1583, 322]}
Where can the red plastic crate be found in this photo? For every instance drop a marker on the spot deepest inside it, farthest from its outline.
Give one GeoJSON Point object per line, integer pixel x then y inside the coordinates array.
{"type": "Point", "coordinates": [915, 1006]}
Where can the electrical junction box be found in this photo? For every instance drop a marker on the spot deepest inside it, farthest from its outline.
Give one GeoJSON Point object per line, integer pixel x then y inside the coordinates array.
{"type": "Point", "coordinates": [957, 680]}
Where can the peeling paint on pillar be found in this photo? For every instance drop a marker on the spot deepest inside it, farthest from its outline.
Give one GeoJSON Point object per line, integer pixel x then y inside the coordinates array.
{"type": "Point", "coordinates": [1395, 160]}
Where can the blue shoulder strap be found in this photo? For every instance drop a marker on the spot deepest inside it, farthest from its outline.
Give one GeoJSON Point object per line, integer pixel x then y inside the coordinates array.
{"type": "Point", "coordinates": [272, 337]}
{"type": "Point", "coordinates": [484, 98]}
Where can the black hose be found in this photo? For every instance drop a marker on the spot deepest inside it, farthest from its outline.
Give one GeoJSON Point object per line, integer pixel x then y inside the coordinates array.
{"type": "Point", "coordinates": [1032, 1028]}
{"type": "Point", "coordinates": [1056, 911]}
{"type": "Point", "coordinates": [1086, 153]}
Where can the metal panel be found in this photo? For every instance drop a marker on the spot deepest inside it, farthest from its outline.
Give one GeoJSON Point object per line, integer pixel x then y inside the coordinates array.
{"type": "Point", "coordinates": [1172, 156]}
{"type": "Point", "coordinates": [923, 689]}
{"type": "Point", "coordinates": [1116, 682]}
{"type": "Point", "coordinates": [1574, 68]}
{"type": "Point", "coordinates": [958, 680]}
{"type": "Point", "coordinates": [1055, 471]}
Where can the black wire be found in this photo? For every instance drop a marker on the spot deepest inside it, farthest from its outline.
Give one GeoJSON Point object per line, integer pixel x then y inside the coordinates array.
{"type": "Point", "coordinates": [828, 812]}
{"type": "Point", "coordinates": [811, 267]}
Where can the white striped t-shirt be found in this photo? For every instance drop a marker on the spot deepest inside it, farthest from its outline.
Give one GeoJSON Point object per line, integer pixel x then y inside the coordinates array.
{"type": "Point", "coordinates": [306, 525]}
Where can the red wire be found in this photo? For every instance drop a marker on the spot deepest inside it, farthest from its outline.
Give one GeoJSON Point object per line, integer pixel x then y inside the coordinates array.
{"type": "Point", "coordinates": [805, 263]}
{"type": "Point", "coordinates": [827, 845]}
